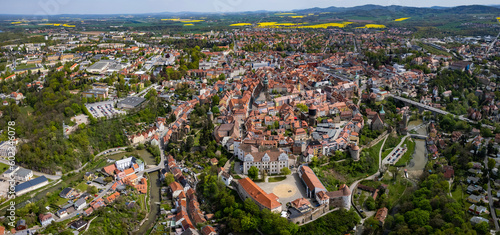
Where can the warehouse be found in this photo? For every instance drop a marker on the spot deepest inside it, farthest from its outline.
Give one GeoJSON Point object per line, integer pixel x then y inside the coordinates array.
{"type": "Point", "coordinates": [31, 185]}
{"type": "Point", "coordinates": [131, 103]}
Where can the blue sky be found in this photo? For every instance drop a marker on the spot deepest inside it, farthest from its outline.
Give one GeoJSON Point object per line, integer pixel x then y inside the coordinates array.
{"type": "Point", "coordinates": [53, 7]}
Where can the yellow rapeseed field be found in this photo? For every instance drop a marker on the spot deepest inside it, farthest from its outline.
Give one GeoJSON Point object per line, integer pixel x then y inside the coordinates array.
{"type": "Point", "coordinates": [372, 26]}
{"type": "Point", "coordinates": [241, 24]}
{"type": "Point", "coordinates": [302, 25]}
{"type": "Point", "coordinates": [324, 26]}
{"type": "Point", "coordinates": [64, 25]}
{"type": "Point", "coordinates": [401, 19]}
{"type": "Point", "coordinates": [188, 24]}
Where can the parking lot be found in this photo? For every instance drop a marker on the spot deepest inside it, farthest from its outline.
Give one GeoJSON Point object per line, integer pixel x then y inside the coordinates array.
{"type": "Point", "coordinates": [103, 109]}
{"type": "Point", "coordinates": [394, 156]}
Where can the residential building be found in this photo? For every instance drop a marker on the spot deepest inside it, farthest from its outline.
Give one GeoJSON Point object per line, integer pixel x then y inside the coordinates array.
{"type": "Point", "coordinates": [45, 219]}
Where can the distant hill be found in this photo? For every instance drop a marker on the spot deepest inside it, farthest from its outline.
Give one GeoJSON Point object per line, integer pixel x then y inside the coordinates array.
{"type": "Point", "coordinates": [402, 10]}
{"type": "Point", "coordinates": [365, 10]}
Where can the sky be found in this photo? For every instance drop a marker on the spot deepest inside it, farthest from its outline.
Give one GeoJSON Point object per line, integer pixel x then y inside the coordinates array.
{"type": "Point", "coordinates": [54, 7]}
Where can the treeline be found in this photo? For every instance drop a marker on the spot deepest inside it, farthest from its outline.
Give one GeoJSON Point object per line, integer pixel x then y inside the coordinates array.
{"type": "Point", "coordinates": [428, 210]}
{"type": "Point", "coordinates": [335, 223]}
{"type": "Point", "coordinates": [191, 43]}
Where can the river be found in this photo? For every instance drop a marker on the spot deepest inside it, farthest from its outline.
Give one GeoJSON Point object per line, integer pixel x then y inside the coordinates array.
{"type": "Point", "coordinates": [154, 192]}
{"type": "Point", "coordinates": [154, 208]}
{"type": "Point", "coordinates": [419, 160]}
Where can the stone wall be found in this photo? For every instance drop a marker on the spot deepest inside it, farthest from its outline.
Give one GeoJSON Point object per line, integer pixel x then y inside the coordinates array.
{"type": "Point", "coordinates": [311, 215]}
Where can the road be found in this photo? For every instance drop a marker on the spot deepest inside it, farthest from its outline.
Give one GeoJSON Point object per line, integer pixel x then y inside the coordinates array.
{"type": "Point", "coordinates": [56, 177]}
{"type": "Point", "coordinates": [435, 110]}
{"type": "Point", "coordinates": [490, 196]}
{"type": "Point", "coordinates": [73, 214]}
{"type": "Point", "coordinates": [49, 176]}
{"type": "Point", "coordinates": [145, 91]}
{"type": "Point", "coordinates": [110, 150]}
{"type": "Point", "coordinates": [371, 177]}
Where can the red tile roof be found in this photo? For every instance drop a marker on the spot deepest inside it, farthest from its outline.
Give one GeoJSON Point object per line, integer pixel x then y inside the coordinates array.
{"type": "Point", "coordinates": [311, 179]}
{"type": "Point", "coordinates": [267, 200]}
{"type": "Point", "coordinates": [175, 186]}
{"type": "Point", "coordinates": [208, 230]}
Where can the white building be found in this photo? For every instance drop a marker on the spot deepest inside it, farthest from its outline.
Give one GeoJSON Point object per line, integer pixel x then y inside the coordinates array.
{"type": "Point", "coordinates": [226, 178]}
{"type": "Point", "coordinates": [10, 172]}
{"type": "Point", "coordinates": [270, 161]}
{"type": "Point", "coordinates": [128, 163]}
{"type": "Point", "coordinates": [80, 204]}
{"type": "Point", "coordinates": [23, 174]}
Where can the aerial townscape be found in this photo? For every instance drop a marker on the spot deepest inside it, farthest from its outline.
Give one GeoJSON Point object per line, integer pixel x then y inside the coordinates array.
{"type": "Point", "coordinates": [339, 120]}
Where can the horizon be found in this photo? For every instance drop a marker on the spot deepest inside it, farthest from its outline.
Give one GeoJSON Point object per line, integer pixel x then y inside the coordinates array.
{"type": "Point", "coordinates": [65, 7]}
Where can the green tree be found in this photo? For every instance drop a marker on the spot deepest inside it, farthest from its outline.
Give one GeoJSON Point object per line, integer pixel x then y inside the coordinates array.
{"type": "Point", "coordinates": [491, 163]}
{"type": "Point", "coordinates": [370, 204]}
{"type": "Point", "coordinates": [215, 99]}
{"type": "Point", "coordinates": [285, 171]}
{"type": "Point", "coordinates": [253, 172]}
{"type": "Point", "coordinates": [189, 143]}
{"type": "Point", "coordinates": [92, 189]}
{"type": "Point", "coordinates": [302, 107]}
{"type": "Point", "coordinates": [482, 228]}
{"type": "Point", "coordinates": [169, 178]}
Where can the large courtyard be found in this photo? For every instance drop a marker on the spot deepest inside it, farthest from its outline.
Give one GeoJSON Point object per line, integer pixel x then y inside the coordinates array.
{"type": "Point", "coordinates": [287, 190]}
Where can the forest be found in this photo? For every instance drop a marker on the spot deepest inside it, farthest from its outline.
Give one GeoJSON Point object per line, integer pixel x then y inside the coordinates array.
{"type": "Point", "coordinates": [428, 210]}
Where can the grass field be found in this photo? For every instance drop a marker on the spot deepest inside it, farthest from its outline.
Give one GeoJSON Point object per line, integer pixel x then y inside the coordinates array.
{"type": "Point", "coordinates": [142, 201]}
{"type": "Point", "coordinates": [410, 144]}
{"type": "Point", "coordinates": [82, 186]}
{"type": "Point", "coordinates": [27, 109]}
{"type": "Point", "coordinates": [276, 179]}
{"type": "Point", "coordinates": [3, 168]}
{"type": "Point", "coordinates": [386, 152]}
{"type": "Point", "coordinates": [61, 201]}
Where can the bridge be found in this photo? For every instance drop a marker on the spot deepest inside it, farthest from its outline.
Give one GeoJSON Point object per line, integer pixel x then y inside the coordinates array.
{"type": "Point", "coordinates": [417, 136]}
{"type": "Point", "coordinates": [435, 110]}
{"type": "Point", "coordinates": [420, 105]}
{"type": "Point", "coordinates": [153, 169]}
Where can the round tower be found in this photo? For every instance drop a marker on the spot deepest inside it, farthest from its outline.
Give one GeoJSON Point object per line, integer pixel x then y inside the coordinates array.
{"type": "Point", "coordinates": [354, 151]}
{"type": "Point", "coordinates": [210, 115]}
{"type": "Point", "coordinates": [346, 196]}
{"type": "Point", "coordinates": [313, 111]}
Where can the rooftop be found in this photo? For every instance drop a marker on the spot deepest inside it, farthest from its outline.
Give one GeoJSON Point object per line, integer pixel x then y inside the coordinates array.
{"type": "Point", "coordinates": [270, 201]}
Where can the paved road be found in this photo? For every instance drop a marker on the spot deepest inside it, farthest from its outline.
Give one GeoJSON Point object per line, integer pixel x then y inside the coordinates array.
{"type": "Point", "coordinates": [490, 197]}
{"type": "Point", "coordinates": [56, 177]}
{"type": "Point", "coordinates": [114, 150]}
